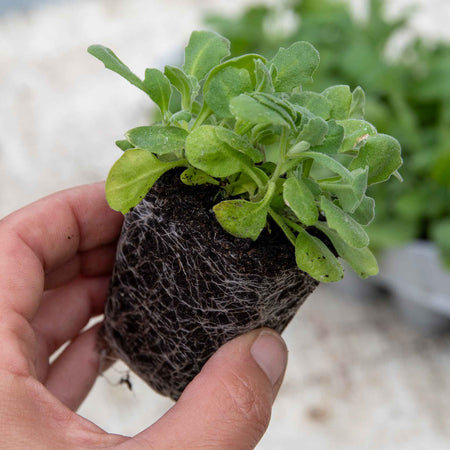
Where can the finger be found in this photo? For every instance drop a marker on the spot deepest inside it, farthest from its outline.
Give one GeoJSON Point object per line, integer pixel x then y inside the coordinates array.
{"type": "Point", "coordinates": [71, 376]}
{"type": "Point", "coordinates": [93, 263]}
{"type": "Point", "coordinates": [228, 405]}
{"type": "Point", "coordinates": [40, 237]}
{"type": "Point", "coordinates": [66, 310]}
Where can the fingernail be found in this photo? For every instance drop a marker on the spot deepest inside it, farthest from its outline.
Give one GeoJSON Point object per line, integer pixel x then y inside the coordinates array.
{"type": "Point", "coordinates": [269, 352]}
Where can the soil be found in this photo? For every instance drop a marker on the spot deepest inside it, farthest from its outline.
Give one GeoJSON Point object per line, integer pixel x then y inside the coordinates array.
{"type": "Point", "coordinates": [182, 286]}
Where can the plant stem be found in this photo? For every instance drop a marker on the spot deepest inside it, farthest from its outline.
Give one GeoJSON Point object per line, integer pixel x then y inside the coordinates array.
{"type": "Point", "coordinates": [293, 224]}
{"type": "Point", "coordinates": [307, 168]}
{"type": "Point", "coordinates": [254, 177]}
{"type": "Point", "coordinates": [280, 221]}
{"type": "Point", "coordinates": [205, 112]}
{"type": "Point", "coordinates": [283, 150]}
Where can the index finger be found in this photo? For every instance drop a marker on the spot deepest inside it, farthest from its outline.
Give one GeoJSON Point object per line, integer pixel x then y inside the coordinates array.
{"type": "Point", "coordinates": [42, 236]}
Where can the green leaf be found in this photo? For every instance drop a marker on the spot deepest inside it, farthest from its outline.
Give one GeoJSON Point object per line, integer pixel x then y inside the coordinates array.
{"type": "Point", "coordinates": [355, 133]}
{"type": "Point", "coordinates": [205, 151]}
{"type": "Point", "coordinates": [314, 132]}
{"type": "Point", "coordinates": [158, 139]}
{"type": "Point", "coordinates": [299, 198]}
{"type": "Point", "coordinates": [263, 80]}
{"type": "Point", "coordinates": [225, 85]}
{"type": "Point", "coordinates": [340, 98]}
{"type": "Point", "coordinates": [247, 62]}
{"type": "Point", "coordinates": [242, 218]}
{"type": "Point", "coordinates": [157, 85]}
{"type": "Point", "coordinates": [112, 62]}
{"type": "Point", "coordinates": [357, 107]}
{"type": "Point", "coordinates": [382, 153]}
{"type": "Point", "coordinates": [361, 260]}
{"type": "Point", "coordinates": [181, 116]}
{"type": "Point", "coordinates": [132, 176]}
{"type": "Point", "coordinates": [239, 143]}
{"type": "Point", "coordinates": [347, 227]}
{"type": "Point", "coordinates": [295, 66]}
{"type": "Point", "coordinates": [314, 102]}
{"type": "Point", "coordinates": [349, 192]}
{"type": "Point", "coordinates": [185, 86]}
{"type": "Point", "coordinates": [195, 177]}
{"type": "Point", "coordinates": [297, 149]}
{"type": "Point", "coordinates": [250, 110]}
{"type": "Point", "coordinates": [124, 145]}
{"type": "Point", "coordinates": [314, 257]}
{"type": "Point", "coordinates": [204, 51]}
{"type": "Point", "coordinates": [325, 161]}
{"type": "Point", "coordinates": [333, 139]}
{"type": "Point", "coordinates": [283, 107]}
{"type": "Point", "coordinates": [365, 212]}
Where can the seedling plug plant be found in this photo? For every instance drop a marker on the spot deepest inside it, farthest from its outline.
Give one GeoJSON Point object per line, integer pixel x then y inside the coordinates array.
{"type": "Point", "coordinates": [248, 192]}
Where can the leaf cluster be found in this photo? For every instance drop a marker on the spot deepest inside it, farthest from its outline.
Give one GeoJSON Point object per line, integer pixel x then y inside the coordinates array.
{"type": "Point", "coordinates": [277, 150]}
{"type": "Point", "coordinates": [407, 97]}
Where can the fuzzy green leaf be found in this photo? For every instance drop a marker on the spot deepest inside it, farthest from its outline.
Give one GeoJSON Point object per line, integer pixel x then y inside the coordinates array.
{"type": "Point", "coordinates": [180, 116]}
{"type": "Point", "coordinates": [365, 212]}
{"type": "Point", "coordinates": [124, 145]}
{"type": "Point", "coordinates": [241, 218]}
{"type": "Point", "coordinates": [250, 110]}
{"type": "Point", "coordinates": [112, 62]}
{"type": "Point", "coordinates": [340, 98]}
{"type": "Point", "coordinates": [382, 154]}
{"type": "Point", "coordinates": [349, 192]}
{"type": "Point", "coordinates": [300, 199]}
{"type": "Point", "coordinates": [195, 177]}
{"type": "Point", "coordinates": [186, 86]}
{"type": "Point", "coordinates": [225, 85]}
{"type": "Point", "coordinates": [314, 102]}
{"type": "Point", "coordinates": [347, 227]}
{"type": "Point", "coordinates": [333, 139]}
{"type": "Point", "coordinates": [314, 257]}
{"type": "Point", "coordinates": [247, 62]}
{"type": "Point", "coordinates": [357, 107]}
{"type": "Point", "coordinates": [239, 143]}
{"type": "Point", "coordinates": [355, 133]}
{"type": "Point", "coordinates": [281, 106]}
{"type": "Point", "coordinates": [295, 66]}
{"type": "Point", "coordinates": [204, 51]}
{"type": "Point", "coordinates": [158, 139]}
{"type": "Point", "coordinates": [158, 88]}
{"type": "Point", "coordinates": [314, 132]}
{"type": "Point", "coordinates": [132, 176]}
{"type": "Point", "coordinates": [263, 80]}
{"type": "Point", "coordinates": [207, 152]}
{"type": "Point", "coordinates": [361, 260]}
{"type": "Point", "coordinates": [325, 161]}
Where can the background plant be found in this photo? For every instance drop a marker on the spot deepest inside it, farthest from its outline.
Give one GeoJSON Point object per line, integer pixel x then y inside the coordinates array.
{"type": "Point", "coordinates": [246, 125]}
{"type": "Point", "coordinates": [408, 97]}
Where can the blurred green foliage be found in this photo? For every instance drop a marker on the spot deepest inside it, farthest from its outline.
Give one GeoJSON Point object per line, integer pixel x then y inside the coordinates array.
{"type": "Point", "coordinates": [407, 97]}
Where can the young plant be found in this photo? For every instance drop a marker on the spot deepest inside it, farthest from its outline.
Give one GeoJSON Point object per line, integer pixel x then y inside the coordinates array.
{"type": "Point", "coordinates": [276, 151]}
{"type": "Point", "coordinates": [246, 179]}
{"type": "Point", "coordinates": [407, 97]}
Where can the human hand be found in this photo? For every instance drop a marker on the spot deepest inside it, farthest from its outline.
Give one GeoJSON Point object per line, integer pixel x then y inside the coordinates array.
{"type": "Point", "coordinates": [56, 257]}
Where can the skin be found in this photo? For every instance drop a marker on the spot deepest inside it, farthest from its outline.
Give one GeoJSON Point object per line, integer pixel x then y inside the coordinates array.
{"type": "Point", "coordinates": [56, 257]}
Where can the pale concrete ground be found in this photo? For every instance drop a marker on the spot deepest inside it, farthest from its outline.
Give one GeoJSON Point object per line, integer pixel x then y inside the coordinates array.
{"type": "Point", "coordinates": [358, 377]}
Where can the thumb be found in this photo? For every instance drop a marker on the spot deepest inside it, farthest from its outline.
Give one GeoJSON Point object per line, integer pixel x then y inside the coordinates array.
{"type": "Point", "coordinates": [228, 404]}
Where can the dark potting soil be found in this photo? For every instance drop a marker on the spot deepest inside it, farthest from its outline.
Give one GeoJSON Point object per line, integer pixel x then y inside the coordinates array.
{"type": "Point", "coordinates": [182, 286]}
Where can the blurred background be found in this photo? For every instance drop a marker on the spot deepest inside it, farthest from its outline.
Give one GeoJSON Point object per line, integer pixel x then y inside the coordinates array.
{"type": "Point", "coordinates": [369, 361]}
